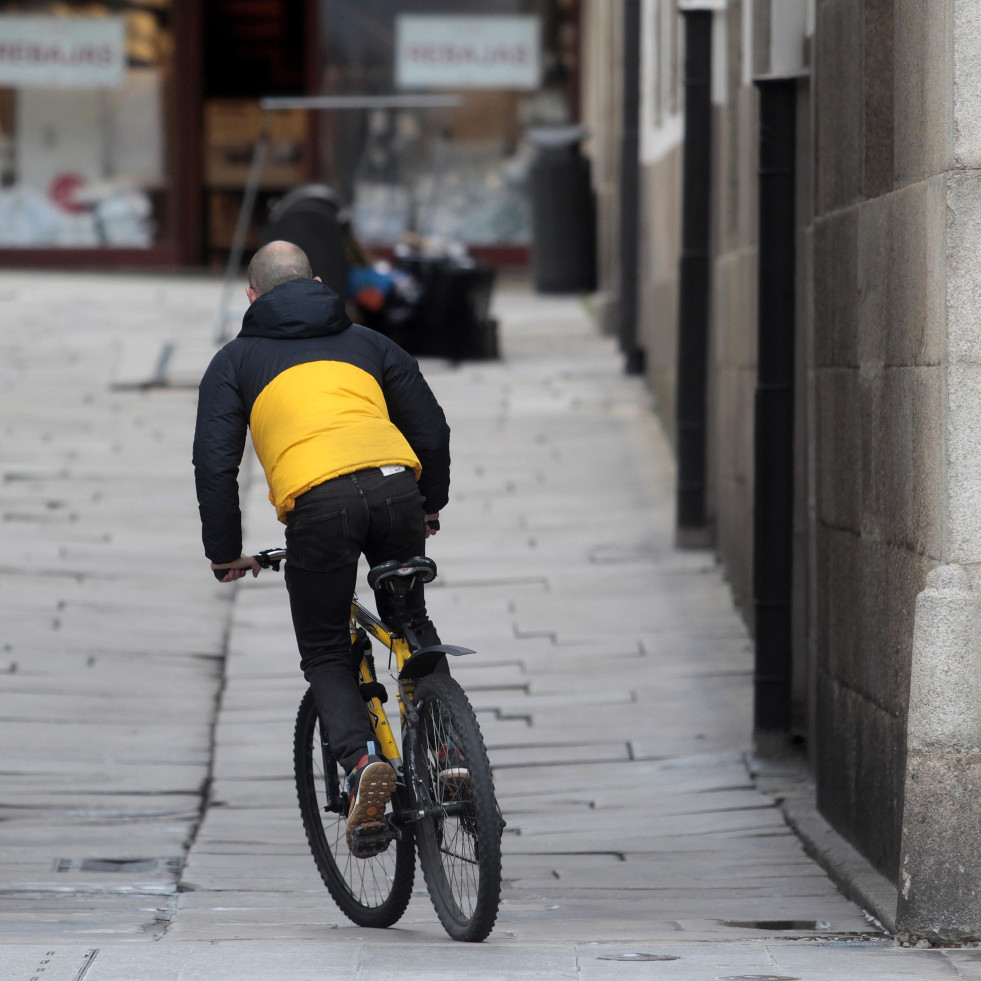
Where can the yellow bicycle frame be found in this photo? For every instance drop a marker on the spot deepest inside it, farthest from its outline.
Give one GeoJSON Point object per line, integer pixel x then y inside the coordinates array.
{"type": "Point", "coordinates": [387, 744]}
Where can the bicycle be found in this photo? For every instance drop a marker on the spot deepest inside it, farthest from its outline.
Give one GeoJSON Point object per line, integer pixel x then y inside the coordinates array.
{"type": "Point", "coordinates": [444, 804]}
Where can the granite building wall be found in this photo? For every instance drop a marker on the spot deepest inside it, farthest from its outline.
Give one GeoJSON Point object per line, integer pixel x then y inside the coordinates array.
{"type": "Point", "coordinates": [887, 511]}
{"type": "Point", "coordinates": [733, 316]}
{"type": "Point", "coordinates": [880, 315]}
{"type": "Point", "coordinates": [870, 318]}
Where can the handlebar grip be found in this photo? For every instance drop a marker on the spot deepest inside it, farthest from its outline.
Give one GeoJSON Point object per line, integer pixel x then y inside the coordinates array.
{"type": "Point", "coordinates": [220, 574]}
{"type": "Point", "coordinates": [434, 524]}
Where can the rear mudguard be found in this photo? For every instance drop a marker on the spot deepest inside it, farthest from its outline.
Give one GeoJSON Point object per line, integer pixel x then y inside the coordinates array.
{"type": "Point", "coordinates": [423, 661]}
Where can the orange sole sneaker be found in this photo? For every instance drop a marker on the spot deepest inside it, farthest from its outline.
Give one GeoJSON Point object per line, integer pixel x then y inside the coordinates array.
{"type": "Point", "coordinates": [376, 785]}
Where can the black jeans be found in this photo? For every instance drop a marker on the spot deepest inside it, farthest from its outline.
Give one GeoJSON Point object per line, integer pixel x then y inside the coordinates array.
{"type": "Point", "coordinates": [326, 533]}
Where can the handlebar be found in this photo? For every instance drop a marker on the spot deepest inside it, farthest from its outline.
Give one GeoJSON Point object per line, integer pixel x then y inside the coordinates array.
{"type": "Point", "coordinates": [417, 568]}
{"type": "Point", "coordinates": [268, 558]}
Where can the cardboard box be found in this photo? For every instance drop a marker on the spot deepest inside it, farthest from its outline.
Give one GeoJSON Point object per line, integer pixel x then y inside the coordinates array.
{"type": "Point", "coordinates": [232, 128]}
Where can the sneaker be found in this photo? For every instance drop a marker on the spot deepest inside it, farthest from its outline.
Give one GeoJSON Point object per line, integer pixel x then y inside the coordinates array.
{"type": "Point", "coordinates": [370, 787]}
{"type": "Point", "coordinates": [453, 772]}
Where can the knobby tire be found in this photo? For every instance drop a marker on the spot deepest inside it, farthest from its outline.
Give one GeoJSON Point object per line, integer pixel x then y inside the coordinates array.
{"type": "Point", "coordinates": [460, 848]}
{"type": "Point", "coordinates": [372, 892]}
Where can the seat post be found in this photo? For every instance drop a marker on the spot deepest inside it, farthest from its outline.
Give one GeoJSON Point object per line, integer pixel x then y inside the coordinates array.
{"type": "Point", "coordinates": [397, 579]}
{"type": "Point", "coordinates": [398, 592]}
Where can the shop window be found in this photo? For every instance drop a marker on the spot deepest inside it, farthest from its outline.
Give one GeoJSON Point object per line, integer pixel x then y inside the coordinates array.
{"type": "Point", "coordinates": [457, 174]}
{"type": "Point", "coordinates": [85, 97]}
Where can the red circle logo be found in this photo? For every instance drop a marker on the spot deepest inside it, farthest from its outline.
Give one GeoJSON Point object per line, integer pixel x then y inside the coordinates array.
{"type": "Point", "coordinates": [62, 192]}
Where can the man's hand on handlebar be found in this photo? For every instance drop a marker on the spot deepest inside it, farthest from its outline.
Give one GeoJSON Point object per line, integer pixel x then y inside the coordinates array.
{"type": "Point", "coordinates": [271, 558]}
{"type": "Point", "coordinates": [230, 571]}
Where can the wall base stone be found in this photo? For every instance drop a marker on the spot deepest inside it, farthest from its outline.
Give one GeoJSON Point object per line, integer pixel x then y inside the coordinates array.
{"type": "Point", "coordinates": [940, 876]}
{"type": "Point", "coordinates": [940, 863]}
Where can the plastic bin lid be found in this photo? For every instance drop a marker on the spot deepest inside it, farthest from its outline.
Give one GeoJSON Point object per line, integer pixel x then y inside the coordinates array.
{"type": "Point", "coordinates": [557, 137]}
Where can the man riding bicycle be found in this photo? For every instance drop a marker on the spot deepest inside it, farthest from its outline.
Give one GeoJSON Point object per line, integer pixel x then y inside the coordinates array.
{"type": "Point", "coordinates": [355, 450]}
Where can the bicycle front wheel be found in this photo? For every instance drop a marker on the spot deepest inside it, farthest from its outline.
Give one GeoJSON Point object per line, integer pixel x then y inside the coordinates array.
{"type": "Point", "coordinates": [373, 892]}
{"type": "Point", "coordinates": [459, 839]}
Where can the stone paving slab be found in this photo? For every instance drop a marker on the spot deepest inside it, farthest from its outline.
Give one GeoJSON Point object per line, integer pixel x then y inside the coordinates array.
{"type": "Point", "coordinates": [612, 679]}
{"type": "Point", "coordinates": [110, 679]}
{"type": "Point", "coordinates": [580, 615]}
{"type": "Point", "coordinates": [966, 962]}
{"type": "Point", "coordinates": [356, 959]}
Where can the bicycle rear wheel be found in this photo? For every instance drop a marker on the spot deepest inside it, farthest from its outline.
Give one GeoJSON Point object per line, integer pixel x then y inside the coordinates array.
{"type": "Point", "coordinates": [373, 892]}
{"type": "Point", "coordinates": [459, 841]}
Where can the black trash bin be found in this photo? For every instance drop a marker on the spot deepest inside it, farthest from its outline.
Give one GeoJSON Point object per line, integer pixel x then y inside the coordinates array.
{"type": "Point", "coordinates": [563, 209]}
{"type": "Point", "coordinates": [452, 317]}
{"type": "Point", "coordinates": [312, 216]}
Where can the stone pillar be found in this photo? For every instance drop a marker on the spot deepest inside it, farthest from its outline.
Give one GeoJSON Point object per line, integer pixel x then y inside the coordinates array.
{"type": "Point", "coordinates": [940, 862]}
{"type": "Point", "coordinates": [940, 865]}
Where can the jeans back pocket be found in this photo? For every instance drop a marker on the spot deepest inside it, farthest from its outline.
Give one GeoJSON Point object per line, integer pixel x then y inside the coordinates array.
{"type": "Point", "coordinates": [320, 543]}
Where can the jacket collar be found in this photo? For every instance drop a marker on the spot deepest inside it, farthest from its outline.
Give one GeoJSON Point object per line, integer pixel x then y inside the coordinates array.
{"type": "Point", "coordinates": [295, 309]}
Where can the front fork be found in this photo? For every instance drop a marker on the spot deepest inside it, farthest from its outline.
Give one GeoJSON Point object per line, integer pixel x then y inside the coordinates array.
{"type": "Point", "coordinates": [416, 795]}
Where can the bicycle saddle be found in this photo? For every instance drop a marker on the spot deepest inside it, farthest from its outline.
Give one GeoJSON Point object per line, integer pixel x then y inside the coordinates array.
{"type": "Point", "coordinates": [420, 567]}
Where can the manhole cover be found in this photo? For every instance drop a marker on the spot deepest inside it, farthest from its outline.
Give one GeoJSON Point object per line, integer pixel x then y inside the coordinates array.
{"type": "Point", "coordinates": [638, 957]}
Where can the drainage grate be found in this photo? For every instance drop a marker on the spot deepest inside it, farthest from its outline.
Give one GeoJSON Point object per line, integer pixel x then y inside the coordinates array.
{"type": "Point", "coordinates": [759, 977]}
{"type": "Point", "coordinates": [639, 957]}
{"type": "Point", "coordinates": [777, 924]}
{"type": "Point", "coordinates": [130, 865]}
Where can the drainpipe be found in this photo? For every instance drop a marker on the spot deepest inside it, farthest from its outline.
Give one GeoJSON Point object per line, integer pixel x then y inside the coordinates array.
{"type": "Point", "coordinates": [630, 189]}
{"type": "Point", "coordinates": [773, 506]}
{"type": "Point", "coordinates": [693, 312]}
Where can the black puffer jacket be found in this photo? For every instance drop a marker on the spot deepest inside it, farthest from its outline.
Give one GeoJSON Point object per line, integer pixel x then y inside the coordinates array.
{"type": "Point", "coordinates": [322, 397]}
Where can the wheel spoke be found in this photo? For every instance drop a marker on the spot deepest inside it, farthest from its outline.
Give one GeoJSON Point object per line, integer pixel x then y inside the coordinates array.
{"type": "Point", "coordinates": [459, 847]}
{"type": "Point", "coordinates": [369, 880]}
{"type": "Point", "coordinates": [372, 891]}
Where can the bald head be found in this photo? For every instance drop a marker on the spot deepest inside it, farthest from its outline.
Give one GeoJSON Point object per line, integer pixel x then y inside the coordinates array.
{"type": "Point", "coordinates": [275, 263]}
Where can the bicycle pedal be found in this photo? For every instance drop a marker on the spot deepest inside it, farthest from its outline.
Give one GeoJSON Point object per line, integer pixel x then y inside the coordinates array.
{"type": "Point", "coordinates": [368, 840]}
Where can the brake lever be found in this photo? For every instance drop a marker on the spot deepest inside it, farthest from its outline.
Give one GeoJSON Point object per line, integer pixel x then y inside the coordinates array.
{"type": "Point", "coordinates": [267, 563]}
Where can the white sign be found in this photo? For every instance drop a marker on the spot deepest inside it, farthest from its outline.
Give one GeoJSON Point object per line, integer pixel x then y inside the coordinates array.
{"type": "Point", "coordinates": [62, 52]}
{"type": "Point", "coordinates": [696, 5]}
{"type": "Point", "coordinates": [467, 52]}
